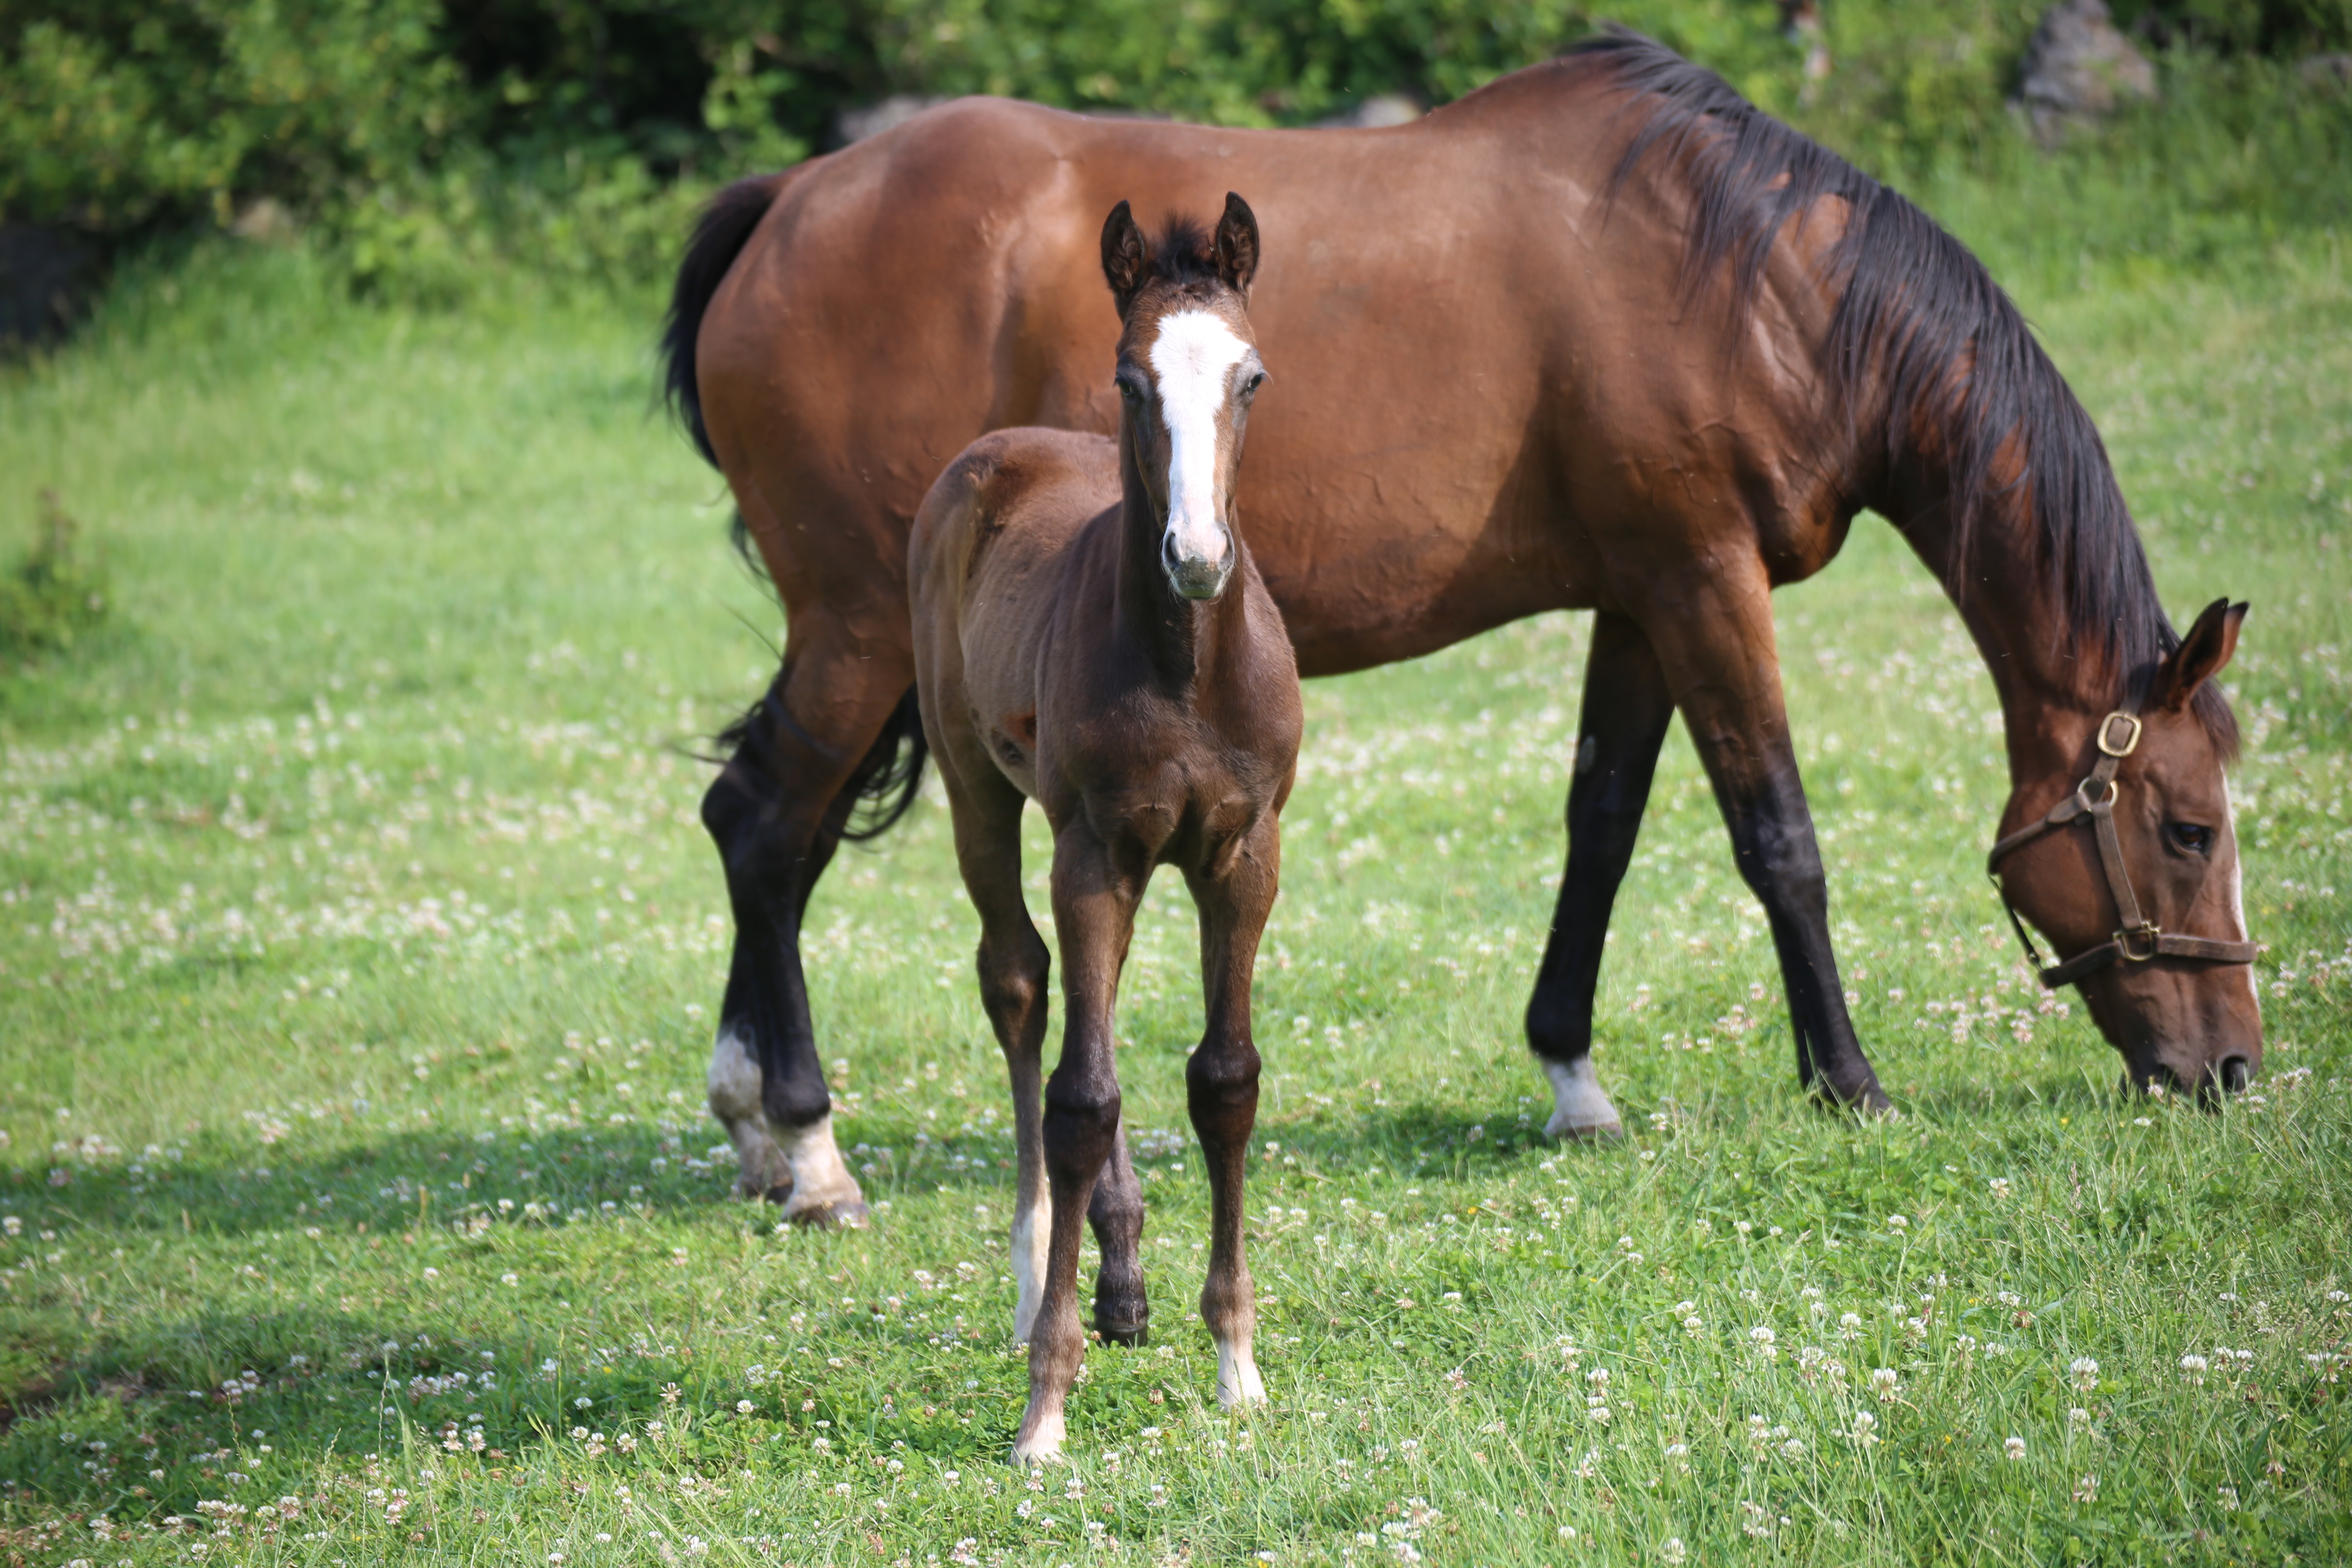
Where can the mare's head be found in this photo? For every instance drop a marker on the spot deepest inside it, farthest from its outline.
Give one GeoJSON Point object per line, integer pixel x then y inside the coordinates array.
{"type": "Point", "coordinates": [2181, 1020]}
{"type": "Point", "coordinates": [1188, 369]}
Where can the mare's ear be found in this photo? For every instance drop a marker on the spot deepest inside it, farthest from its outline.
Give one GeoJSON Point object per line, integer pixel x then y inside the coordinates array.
{"type": "Point", "coordinates": [1126, 256]}
{"type": "Point", "coordinates": [1237, 245]}
{"type": "Point", "coordinates": [2200, 657]}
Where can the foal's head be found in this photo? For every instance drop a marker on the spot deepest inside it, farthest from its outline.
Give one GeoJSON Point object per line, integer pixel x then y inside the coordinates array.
{"type": "Point", "coordinates": [1188, 369]}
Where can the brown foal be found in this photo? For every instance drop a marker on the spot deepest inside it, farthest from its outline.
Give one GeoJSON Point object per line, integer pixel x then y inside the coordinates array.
{"type": "Point", "coordinates": [1091, 633]}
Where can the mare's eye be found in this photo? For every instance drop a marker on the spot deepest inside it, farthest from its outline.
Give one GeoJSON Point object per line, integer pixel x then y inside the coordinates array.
{"type": "Point", "coordinates": [1254, 382]}
{"type": "Point", "coordinates": [1129, 391]}
{"type": "Point", "coordinates": [2192, 837]}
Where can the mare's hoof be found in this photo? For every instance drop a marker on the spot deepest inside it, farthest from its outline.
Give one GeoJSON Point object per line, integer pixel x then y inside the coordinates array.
{"type": "Point", "coordinates": [1129, 1335]}
{"type": "Point", "coordinates": [1589, 1132]}
{"type": "Point", "coordinates": [1869, 1099]}
{"type": "Point", "coordinates": [778, 1194]}
{"type": "Point", "coordinates": [842, 1213]}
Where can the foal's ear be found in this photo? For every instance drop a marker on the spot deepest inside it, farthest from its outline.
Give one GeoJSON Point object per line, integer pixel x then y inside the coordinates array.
{"type": "Point", "coordinates": [2201, 656]}
{"type": "Point", "coordinates": [1126, 256]}
{"type": "Point", "coordinates": [1237, 245]}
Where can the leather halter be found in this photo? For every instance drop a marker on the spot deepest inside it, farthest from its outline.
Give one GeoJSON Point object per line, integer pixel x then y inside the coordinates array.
{"type": "Point", "coordinates": [2137, 938]}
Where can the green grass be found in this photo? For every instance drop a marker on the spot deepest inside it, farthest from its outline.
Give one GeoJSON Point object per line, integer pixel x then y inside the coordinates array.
{"type": "Point", "coordinates": [357, 939]}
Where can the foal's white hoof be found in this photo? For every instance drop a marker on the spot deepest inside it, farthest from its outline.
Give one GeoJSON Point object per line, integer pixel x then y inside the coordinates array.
{"type": "Point", "coordinates": [1238, 1384]}
{"type": "Point", "coordinates": [1042, 1446]}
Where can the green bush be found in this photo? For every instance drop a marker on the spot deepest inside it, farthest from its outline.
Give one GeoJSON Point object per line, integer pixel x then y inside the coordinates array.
{"type": "Point", "coordinates": [2243, 26]}
{"type": "Point", "coordinates": [422, 140]}
{"type": "Point", "coordinates": [52, 591]}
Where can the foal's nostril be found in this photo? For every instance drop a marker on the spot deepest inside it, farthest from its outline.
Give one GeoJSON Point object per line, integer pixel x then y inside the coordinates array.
{"type": "Point", "coordinates": [2233, 1073]}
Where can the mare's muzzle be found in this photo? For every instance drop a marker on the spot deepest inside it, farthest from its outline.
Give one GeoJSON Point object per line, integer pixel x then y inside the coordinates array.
{"type": "Point", "coordinates": [1194, 576]}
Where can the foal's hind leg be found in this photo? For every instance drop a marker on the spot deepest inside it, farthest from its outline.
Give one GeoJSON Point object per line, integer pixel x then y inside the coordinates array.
{"type": "Point", "coordinates": [1121, 1314]}
{"type": "Point", "coordinates": [1094, 917]}
{"type": "Point", "coordinates": [1626, 711]}
{"type": "Point", "coordinates": [1014, 969]}
{"type": "Point", "coordinates": [1221, 1091]}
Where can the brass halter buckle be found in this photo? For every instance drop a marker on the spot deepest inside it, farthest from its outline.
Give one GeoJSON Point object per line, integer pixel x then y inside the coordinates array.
{"type": "Point", "coordinates": [2146, 932]}
{"type": "Point", "coordinates": [2129, 743]}
{"type": "Point", "coordinates": [2082, 793]}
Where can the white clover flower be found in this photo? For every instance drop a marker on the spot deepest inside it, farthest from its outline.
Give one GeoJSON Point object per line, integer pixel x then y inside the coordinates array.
{"type": "Point", "coordinates": [2014, 1449]}
{"type": "Point", "coordinates": [1884, 1383]}
{"type": "Point", "coordinates": [2083, 1372]}
{"type": "Point", "coordinates": [1898, 1223]}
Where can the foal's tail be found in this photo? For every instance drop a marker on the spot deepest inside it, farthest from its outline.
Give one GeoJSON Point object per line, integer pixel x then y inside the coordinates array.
{"type": "Point", "coordinates": [720, 235]}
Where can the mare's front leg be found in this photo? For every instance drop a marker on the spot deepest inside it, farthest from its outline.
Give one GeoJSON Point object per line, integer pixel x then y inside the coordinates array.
{"type": "Point", "coordinates": [1627, 708]}
{"type": "Point", "coordinates": [1221, 1091]}
{"type": "Point", "coordinates": [1094, 895]}
{"type": "Point", "coordinates": [1717, 647]}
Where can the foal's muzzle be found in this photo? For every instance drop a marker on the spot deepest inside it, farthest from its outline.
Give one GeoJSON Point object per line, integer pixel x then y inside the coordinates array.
{"type": "Point", "coordinates": [1194, 576]}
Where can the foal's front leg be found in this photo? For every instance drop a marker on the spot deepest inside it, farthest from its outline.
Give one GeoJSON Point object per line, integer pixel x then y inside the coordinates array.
{"type": "Point", "coordinates": [1094, 917]}
{"type": "Point", "coordinates": [1221, 1089]}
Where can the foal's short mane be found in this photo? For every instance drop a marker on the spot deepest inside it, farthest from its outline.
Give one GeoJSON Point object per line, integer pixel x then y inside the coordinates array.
{"type": "Point", "coordinates": [1922, 313]}
{"type": "Point", "coordinates": [1184, 252]}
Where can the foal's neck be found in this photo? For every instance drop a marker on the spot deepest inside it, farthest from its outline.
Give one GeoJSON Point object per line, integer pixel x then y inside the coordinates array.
{"type": "Point", "coordinates": [1181, 637]}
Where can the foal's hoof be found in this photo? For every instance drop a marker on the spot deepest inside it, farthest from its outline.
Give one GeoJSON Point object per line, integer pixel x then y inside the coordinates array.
{"type": "Point", "coordinates": [1587, 1131]}
{"type": "Point", "coordinates": [1039, 1442]}
{"type": "Point", "coordinates": [841, 1213]}
{"type": "Point", "coordinates": [778, 1194]}
{"type": "Point", "coordinates": [1129, 1335]}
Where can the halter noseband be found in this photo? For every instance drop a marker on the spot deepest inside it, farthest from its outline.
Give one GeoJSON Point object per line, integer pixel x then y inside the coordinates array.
{"type": "Point", "coordinates": [2137, 938]}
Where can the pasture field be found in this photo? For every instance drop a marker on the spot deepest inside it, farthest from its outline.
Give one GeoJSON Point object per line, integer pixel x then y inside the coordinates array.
{"type": "Point", "coordinates": [358, 944]}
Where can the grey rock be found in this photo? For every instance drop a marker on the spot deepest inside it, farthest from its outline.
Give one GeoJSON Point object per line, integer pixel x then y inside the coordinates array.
{"type": "Point", "coordinates": [872, 119]}
{"type": "Point", "coordinates": [1380, 110]}
{"type": "Point", "coordinates": [2325, 71]}
{"type": "Point", "coordinates": [2077, 69]}
{"type": "Point", "coordinates": [265, 220]}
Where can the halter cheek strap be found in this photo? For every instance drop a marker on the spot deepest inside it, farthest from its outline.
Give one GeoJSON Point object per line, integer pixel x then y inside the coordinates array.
{"type": "Point", "coordinates": [2137, 938]}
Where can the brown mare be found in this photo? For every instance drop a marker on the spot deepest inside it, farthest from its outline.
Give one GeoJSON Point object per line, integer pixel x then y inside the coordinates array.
{"type": "Point", "coordinates": [1091, 633]}
{"type": "Point", "coordinates": [1599, 335]}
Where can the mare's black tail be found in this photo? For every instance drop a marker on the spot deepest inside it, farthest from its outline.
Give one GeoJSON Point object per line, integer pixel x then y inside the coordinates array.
{"type": "Point", "coordinates": [887, 781]}
{"type": "Point", "coordinates": [882, 787]}
{"type": "Point", "coordinates": [720, 235]}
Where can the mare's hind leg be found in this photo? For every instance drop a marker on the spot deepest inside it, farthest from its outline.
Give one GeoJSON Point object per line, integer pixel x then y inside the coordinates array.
{"type": "Point", "coordinates": [1626, 711]}
{"type": "Point", "coordinates": [1221, 1091]}
{"type": "Point", "coordinates": [776, 813]}
{"type": "Point", "coordinates": [1715, 644]}
{"type": "Point", "coordinates": [1094, 917]}
{"type": "Point", "coordinates": [733, 1085]}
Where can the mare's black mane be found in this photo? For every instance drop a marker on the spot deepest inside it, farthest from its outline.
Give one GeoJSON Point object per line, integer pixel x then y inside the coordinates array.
{"type": "Point", "coordinates": [1924, 315]}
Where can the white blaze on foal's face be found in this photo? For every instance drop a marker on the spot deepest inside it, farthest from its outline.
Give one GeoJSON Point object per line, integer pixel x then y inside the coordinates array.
{"type": "Point", "coordinates": [1193, 360]}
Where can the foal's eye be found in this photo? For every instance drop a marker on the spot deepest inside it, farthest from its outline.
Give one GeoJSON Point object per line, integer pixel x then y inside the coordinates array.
{"type": "Point", "coordinates": [1249, 387]}
{"type": "Point", "coordinates": [1130, 390]}
{"type": "Point", "coordinates": [2189, 836]}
